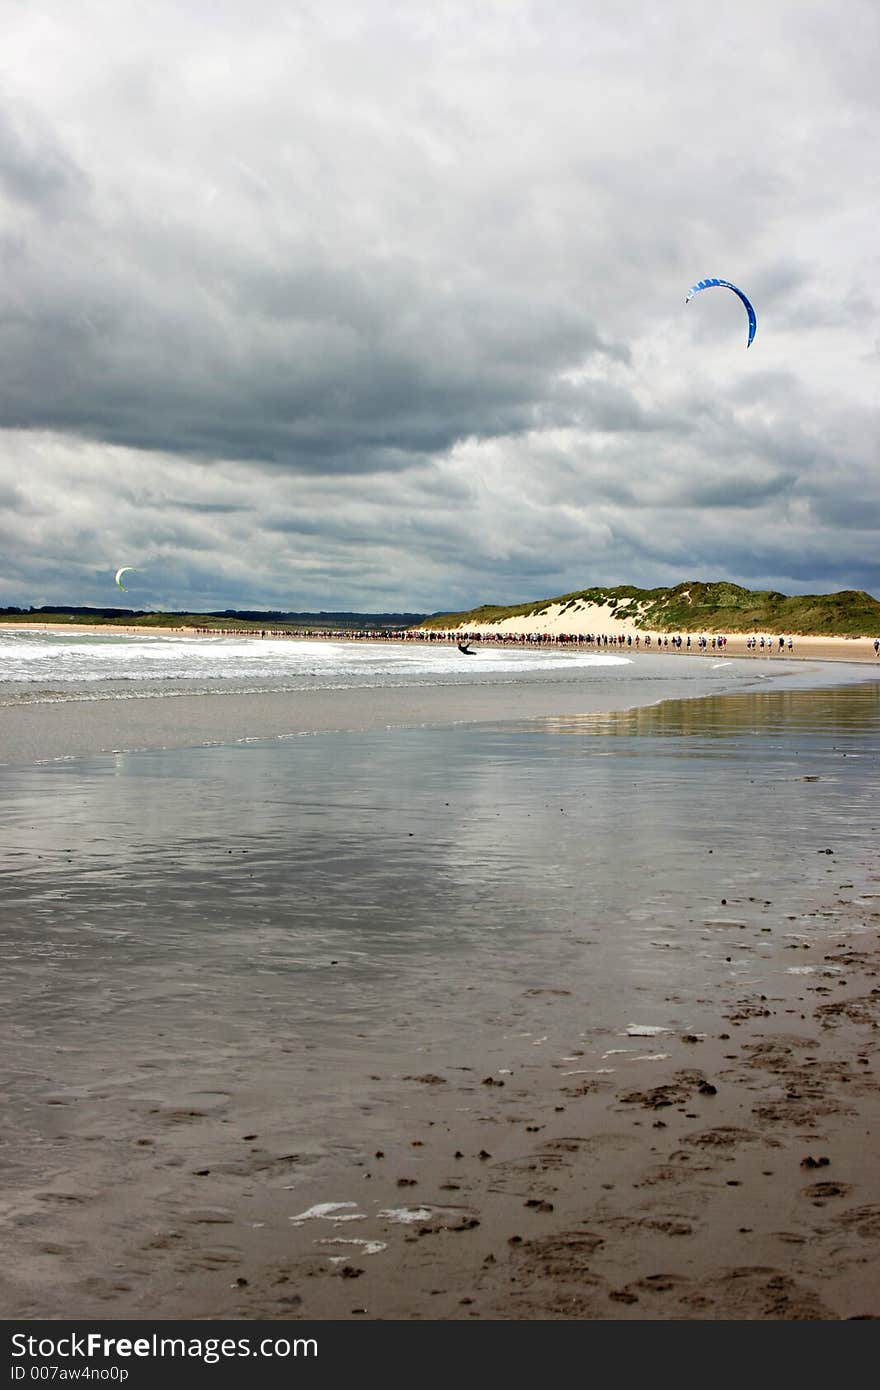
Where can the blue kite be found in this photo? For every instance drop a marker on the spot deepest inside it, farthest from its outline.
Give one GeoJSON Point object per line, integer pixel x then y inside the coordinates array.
{"type": "Point", "coordinates": [705, 285]}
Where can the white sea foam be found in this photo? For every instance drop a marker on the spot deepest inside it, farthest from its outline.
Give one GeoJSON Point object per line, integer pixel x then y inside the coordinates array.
{"type": "Point", "coordinates": [405, 1215]}
{"type": "Point", "coordinates": [40, 658]}
{"type": "Point", "coordinates": [364, 1247]}
{"type": "Point", "coordinates": [324, 1209]}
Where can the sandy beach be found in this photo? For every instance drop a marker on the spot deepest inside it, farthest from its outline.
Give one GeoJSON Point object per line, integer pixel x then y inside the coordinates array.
{"type": "Point", "coordinates": [735, 1179]}
{"type": "Point", "coordinates": [591, 618]}
{"type": "Point", "coordinates": [439, 686]}
{"type": "Point", "coordinates": [201, 1124]}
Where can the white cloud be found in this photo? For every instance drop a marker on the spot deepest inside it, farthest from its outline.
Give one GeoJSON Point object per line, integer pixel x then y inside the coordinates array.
{"type": "Point", "coordinates": [382, 305]}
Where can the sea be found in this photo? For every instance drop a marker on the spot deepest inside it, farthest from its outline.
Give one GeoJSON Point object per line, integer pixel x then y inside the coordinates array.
{"type": "Point", "coordinates": [46, 666]}
{"type": "Point", "coordinates": [39, 666]}
{"type": "Point", "coordinates": [252, 928]}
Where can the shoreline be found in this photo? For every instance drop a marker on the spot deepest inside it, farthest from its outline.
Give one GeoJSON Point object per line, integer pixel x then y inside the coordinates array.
{"type": "Point", "coordinates": [82, 726]}
{"type": "Point", "coordinates": [806, 647]}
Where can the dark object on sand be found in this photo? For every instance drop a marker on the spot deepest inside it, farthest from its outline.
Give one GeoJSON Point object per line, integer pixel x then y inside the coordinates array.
{"type": "Point", "coordinates": [466, 649]}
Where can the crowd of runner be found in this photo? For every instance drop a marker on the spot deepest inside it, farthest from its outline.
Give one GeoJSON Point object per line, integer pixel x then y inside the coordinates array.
{"type": "Point", "coordinates": [591, 640]}
{"type": "Point", "coordinates": [687, 643]}
{"type": "Point", "coordinates": [768, 646]}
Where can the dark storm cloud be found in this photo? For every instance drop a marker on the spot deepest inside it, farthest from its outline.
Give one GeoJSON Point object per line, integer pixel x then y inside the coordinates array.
{"type": "Point", "coordinates": [309, 381]}
{"type": "Point", "coordinates": [300, 302]}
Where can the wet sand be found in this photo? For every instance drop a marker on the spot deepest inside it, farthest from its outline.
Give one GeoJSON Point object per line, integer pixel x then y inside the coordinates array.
{"type": "Point", "coordinates": [74, 728]}
{"type": "Point", "coordinates": [491, 1148]}
{"type": "Point", "coordinates": [734, 1179]}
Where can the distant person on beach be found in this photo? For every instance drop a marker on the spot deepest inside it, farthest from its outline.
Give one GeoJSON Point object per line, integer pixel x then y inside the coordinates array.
{"type": "Point", "coordinates": [877, 646]}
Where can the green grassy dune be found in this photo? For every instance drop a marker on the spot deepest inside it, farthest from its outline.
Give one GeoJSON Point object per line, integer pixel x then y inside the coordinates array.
{"type": "Point", "coordinates": [698, 607]}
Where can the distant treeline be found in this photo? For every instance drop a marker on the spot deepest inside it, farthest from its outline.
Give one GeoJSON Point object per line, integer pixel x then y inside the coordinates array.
{"type": "Point", "coordinates": [322, 619]}
{"type": "Point", "coordinates": [128, 614]}
{"type": "Point", "coordinates": [229, 617]}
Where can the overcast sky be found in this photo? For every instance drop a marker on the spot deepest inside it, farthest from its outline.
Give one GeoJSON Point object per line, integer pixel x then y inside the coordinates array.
{"type": "Point", "coordinates": [352, 304]}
